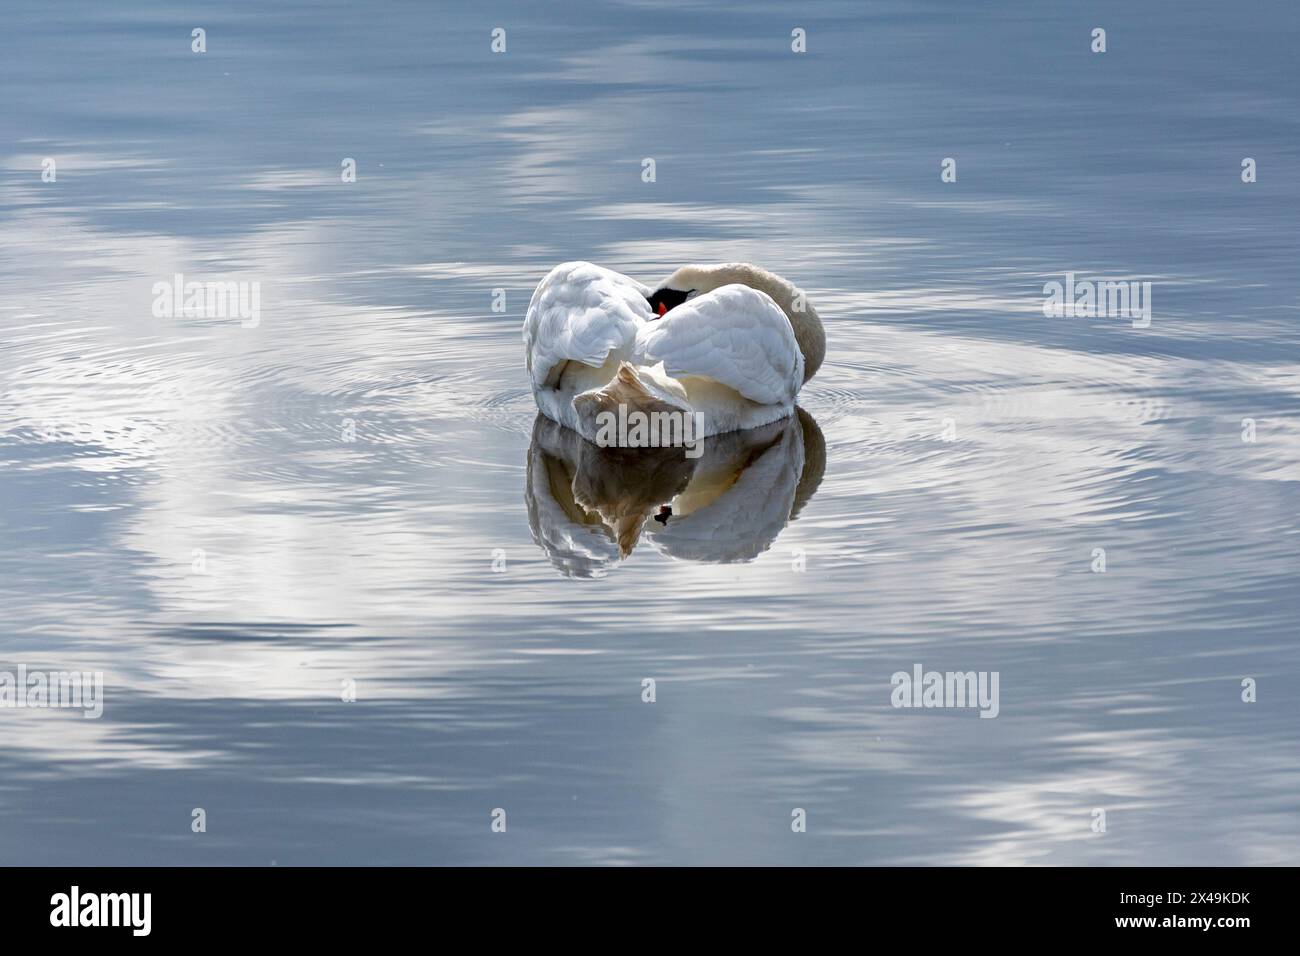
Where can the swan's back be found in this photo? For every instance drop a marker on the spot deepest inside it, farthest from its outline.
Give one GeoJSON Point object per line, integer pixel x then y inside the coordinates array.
{"type": "Point", "coordinates": [580, 312]}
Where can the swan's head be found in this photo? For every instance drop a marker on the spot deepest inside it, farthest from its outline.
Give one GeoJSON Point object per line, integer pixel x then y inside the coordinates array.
{"type": "Point", "coordinates": [689, 281]}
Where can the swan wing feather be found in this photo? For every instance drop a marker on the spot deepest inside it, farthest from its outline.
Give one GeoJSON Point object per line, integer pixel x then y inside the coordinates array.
{"type": "Point", "coordinates": [734, 335]}
{"type": "Point", "coordinates": [581, 312]}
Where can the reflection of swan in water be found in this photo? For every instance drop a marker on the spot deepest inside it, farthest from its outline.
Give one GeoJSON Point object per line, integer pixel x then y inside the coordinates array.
{"type": "Point", "coordinates": [588, 506]}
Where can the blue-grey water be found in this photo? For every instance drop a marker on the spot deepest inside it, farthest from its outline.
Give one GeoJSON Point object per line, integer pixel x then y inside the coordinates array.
{"type": "Point", "coordinates": [240, 524]}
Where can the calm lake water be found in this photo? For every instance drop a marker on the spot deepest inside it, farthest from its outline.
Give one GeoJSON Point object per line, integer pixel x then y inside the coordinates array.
{"type": "Point", "coordinates": [237, 523]}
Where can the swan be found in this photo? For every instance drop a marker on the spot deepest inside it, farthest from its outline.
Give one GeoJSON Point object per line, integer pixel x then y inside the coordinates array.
{"type": "Point", "coordinates": [728, 344]}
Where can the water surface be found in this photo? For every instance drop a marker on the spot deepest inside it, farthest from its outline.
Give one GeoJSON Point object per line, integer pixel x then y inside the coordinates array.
{"type": "Point", "coordinates": [358, 478]}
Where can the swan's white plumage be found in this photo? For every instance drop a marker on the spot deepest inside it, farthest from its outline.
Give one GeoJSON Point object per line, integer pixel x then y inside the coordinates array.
{"type": "Point", "coordinates": [581, 312]}
{"type": "Point", "coordinates": [732, 349]}
{"type": "Point", "coordinates": [736, 336]}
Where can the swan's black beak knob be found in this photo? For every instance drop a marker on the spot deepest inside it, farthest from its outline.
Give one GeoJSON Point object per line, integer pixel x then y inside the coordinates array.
{"type": "Point", "coordinates": [663, 300]}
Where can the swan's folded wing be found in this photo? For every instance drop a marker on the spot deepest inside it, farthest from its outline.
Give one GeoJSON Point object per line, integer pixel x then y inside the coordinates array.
{"type": "Point", "coordinates": [734, 335]}
{"type": "Point", "coordinates": [580, 312]}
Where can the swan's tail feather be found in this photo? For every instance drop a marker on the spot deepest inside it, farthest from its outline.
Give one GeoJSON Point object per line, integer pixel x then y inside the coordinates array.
{"type": "Point", "coordinates": [645, 389]}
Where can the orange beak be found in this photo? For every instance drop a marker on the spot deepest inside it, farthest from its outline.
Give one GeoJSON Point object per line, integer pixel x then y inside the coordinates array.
{"type": "Point", "coordinates": [663, 309]}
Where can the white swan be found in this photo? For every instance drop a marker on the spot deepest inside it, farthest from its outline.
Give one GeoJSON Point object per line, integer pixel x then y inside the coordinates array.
{"type": "Point", "coordinates": [731, 342]}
